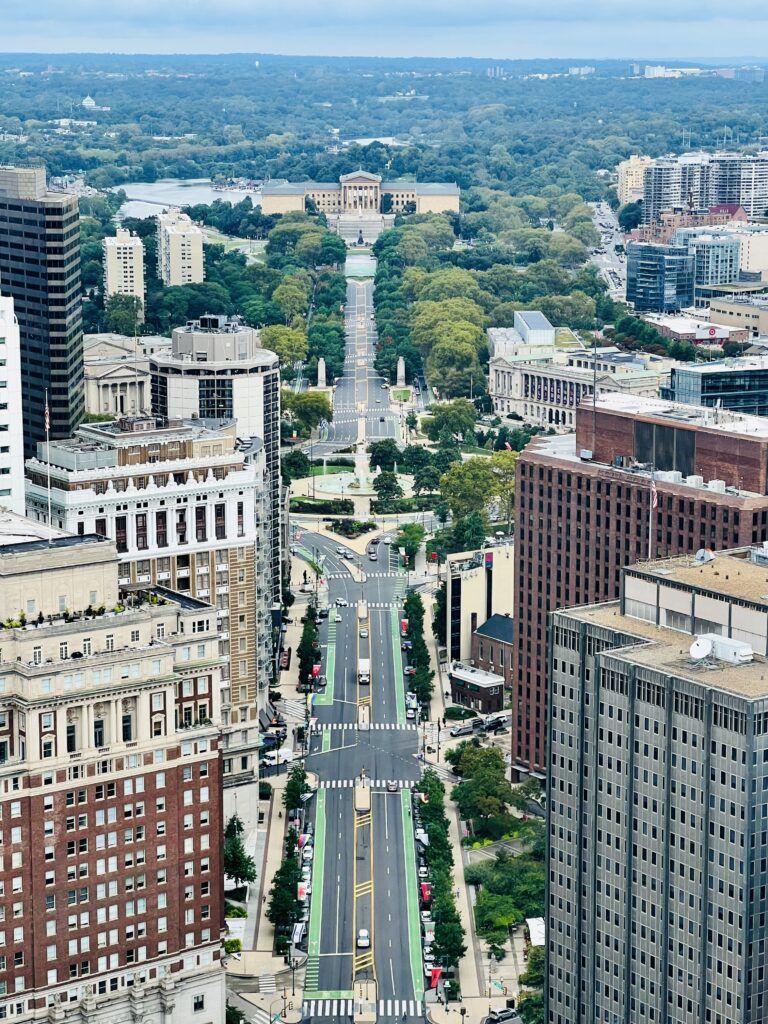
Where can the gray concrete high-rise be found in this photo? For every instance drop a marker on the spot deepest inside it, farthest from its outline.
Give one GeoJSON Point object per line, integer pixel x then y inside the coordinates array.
{"type": "Point", "coordinates": [40, 270]}
{"type": "Point", "coordinates": [658, 797]}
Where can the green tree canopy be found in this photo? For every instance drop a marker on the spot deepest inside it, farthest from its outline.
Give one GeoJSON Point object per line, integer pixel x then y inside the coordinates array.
{"type": "Point", "coordinates": [289, 344]}
{"type": "Point", "coordinates": [469, 486]}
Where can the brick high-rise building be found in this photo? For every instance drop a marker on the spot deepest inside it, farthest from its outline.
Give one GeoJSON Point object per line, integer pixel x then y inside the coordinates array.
{"type": "Point", "coordinates": [40, 270]}
{"type": "Point", "coordinates": [657, 798]}
{"type": "Point", "coordinates": [583, 508]}
{"type": "Point", "coordinates": [111, 903]}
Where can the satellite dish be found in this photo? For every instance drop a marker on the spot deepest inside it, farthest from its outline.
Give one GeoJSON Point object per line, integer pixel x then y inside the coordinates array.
{"type": "Point", "coordinates": [700, 648]}
{"type": "Point", "coordinates": [703, 555]}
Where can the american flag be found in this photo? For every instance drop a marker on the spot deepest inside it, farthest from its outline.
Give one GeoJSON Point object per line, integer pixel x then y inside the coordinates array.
{"type": "Point", "coordinates": [654, 495]}
{"type": "Point", "coordinates": [47, 416]}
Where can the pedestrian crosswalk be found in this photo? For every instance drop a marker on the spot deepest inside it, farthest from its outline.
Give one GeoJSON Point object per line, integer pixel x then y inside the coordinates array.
{"type": "Point", "coordinates": [375, 783]}
{"type": "Point", "coordinates": [293, 706]}
{"type": "Point", "coordinates": [370, 575]}
{"type": "Point", "coordinates": [392, 1008]}
{"type": "Point", "coordinates": [331, 726]}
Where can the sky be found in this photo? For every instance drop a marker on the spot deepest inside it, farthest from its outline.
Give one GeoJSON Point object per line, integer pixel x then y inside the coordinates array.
{"type": "Point", "coordinates": [689, 29]}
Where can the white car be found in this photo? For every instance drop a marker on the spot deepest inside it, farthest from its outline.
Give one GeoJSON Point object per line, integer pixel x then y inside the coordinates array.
{"type": "Point", "coordinates": [363, 939]}
{"type": "Point", "coordinates": [387, 540]}
{"type": "Point", "coordinates": [342, 602]}
{"type": "Point", "coordinates": [307, 854]}
{"type": "Point", "coordinates": [363, 633]}
{"type": "Point", "coordinates": [426, 916]}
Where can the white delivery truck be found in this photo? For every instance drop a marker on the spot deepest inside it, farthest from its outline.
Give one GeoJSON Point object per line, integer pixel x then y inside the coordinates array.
{"type": "Point", "coordinates": [364, 671]}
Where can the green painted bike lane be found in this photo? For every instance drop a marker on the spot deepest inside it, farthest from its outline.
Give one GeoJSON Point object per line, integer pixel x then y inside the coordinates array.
{"type": "Point", "coordinates": [397, 662]}
{"type": "Point", "coordinates": [412, 897]}
{"type": "Point", "coordinates": [325, 699]}
{"type": "Point", "coordinates": [318, 866]}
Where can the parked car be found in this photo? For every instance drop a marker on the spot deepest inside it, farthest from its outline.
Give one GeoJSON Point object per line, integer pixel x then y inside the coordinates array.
{"type": "Point", "coordinates": [409, 670]}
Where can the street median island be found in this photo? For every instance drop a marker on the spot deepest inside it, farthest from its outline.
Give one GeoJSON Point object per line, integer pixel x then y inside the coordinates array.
{"type": "Point", "coordinates": [364, 1008]}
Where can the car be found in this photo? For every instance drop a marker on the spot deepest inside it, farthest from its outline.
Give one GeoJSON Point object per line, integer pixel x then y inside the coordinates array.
{"type": "Point", "coordinates": [341, 552]}
{"type": "Point", "coordinates": [342, 602]}
{"type": "Point", "coordinates": [381, 419]}
{"type": "Point", "coordinates": [423, 872]}
{"type": "Point", "coordinates": [373, 556]}
{"type": "Point", "coordinates": [426, 916]}
{"type": "Point", "coordinates": [306, 871]}
{"type": "Point", "coordinates": [410, 670]}
{"type": "Point", "coordinates": [384, 387]}
{"type": "Point", "coordinates": [307, 854]}
{"type": "Point", "coordinates": [410, 714]}
{"type": "Point", "coordinates": [503, 1015]}
{"type": "Point", "coordinates": [378, 401]}
{"type": "Point", "coordinates": [323, 613]}
{"type": "Point", "coordinates": [363, 939]}
{"type": "Point", "coordinates": [406, 645]}
{"type": "Point", "coordinates": [392, 786]}
{"type": "Point", "coordinates": [339, 617]}
{"type": "Point", "coordinates": [421, 836]}
{"type": "Point", "coordinates": [387, 540]}
{"type": "Point", "coordinates": [462, 730]}
{"type": "Point", "coordinates": [429, 957]}
{"type": "Point", "coordinates": [363, 633]}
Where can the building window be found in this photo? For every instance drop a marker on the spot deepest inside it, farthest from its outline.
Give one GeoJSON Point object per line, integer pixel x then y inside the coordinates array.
{"type": "Point", "coordinates": [198, 1003]}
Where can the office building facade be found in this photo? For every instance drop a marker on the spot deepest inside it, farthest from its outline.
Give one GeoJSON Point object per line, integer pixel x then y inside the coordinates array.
{"type": "Point", "coordinates": [11, 417]}
{"type": "Point", "coordinates": [124, 266]}
{"type": "Point", "coordinates": [111, 901]}
{"type": "Point", "coordinates": [738, 384]}
{"type": "Point", "coordinates": [477, 587]}
{"type": "Point", "coordinates": [217, 369]}
{"type": "Point", "coordinates": [658, 773]}
{"type": "Point", "coordinates": [630, 176]}
{"type": "Point", "coordinates": [179, 250]}
{"type": "Point", "coordinates": [583, 511]}
{"type": "Point", "coordinates": [660, 278]}
{"type": "Point", "coordinates": [187, 507]}
{"type": "Point", "coordinates": [40, 271]}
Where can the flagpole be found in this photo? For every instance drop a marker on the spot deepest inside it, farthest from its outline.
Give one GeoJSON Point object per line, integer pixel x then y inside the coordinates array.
{"type": "Point", "coordinates": [48, 463]}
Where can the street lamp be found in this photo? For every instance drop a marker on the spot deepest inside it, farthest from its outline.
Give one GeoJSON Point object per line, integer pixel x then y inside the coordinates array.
{"type": "Point", "coordinates": [294, 965]}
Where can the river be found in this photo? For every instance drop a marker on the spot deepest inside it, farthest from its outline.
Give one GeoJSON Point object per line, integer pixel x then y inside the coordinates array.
{"type": "Point", "coordinates": [148, 198]}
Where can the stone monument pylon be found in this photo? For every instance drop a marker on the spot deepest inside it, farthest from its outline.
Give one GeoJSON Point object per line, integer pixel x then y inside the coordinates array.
{"type": "Point", "coordinates": [401, 372]}
{"type": "Point", "coordinates": [321, 372]}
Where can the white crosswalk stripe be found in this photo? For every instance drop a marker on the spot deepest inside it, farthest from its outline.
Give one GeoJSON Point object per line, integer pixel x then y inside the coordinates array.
{"type": "Point", "coordinates": [327, 1008]}
{"type": "Point", "coordinates": [332, 726]}
{"type": "Point", "coordinates": [398, 1007]}
{"type": "Point", "coordinates": [292, 706]}
{"type": "Point", "coordinates": [375, 783]}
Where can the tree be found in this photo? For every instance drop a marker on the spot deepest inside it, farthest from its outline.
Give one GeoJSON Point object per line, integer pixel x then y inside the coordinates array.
{"type": "Point", "coordinates": [333, 249]}
{"type": "Point", "coordinates": [426, 480]}
{"type": "Point", "coordinates": [234, 1016]}
{"type": "Point", "coordinates": [531, 1008]}
{"type": "Point", "coordinates": [291, 298]}
{"type": "Point", "coordinates": [123, 314]}
{"type": "Point", "coordinates": [504, 466]}
{"type": "Point", "coordinates": [234, 827]}
{"type": "Point", "coordinates": [630, 216]}
{"type": "Point", "coordinates": [289, 344]}
{"type": "Point", "coordinates": [307, 409]}
{"type": "Point", "coordinates": [384, 453]}
{"type": "Point", "coordinates": [410, 538]}
{"type": "Point", "coordinates": [295, 787]}
{"type": "Point", "coordinates": [469, 486]}
{"type": "Point", "coordinates": [468, 533]}
{"type": "Point", "coordinates": [387, 488]}
{"type": "Point", "coordinates": [238, 865]}
{"type": "Point", "coordinates": [457, 417]}
{"type": "Point", "coordinates": [456, 367]}
{"type": "Point", "coordinates": [535, 972]}
{"type": "Point", "coordinates": [295, 465]}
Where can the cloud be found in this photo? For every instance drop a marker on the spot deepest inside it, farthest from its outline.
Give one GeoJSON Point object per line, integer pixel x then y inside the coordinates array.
{"type": "Point", "coordinates": [481, 27]}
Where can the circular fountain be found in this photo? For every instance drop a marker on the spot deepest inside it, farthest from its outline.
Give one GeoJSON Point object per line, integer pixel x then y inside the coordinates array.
{"type": "Point", "coordinates": [357, 482]}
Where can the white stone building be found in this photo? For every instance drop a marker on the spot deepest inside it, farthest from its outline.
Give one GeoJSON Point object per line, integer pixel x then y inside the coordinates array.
{"type": "Point", "coordinates": [188, 508]}
{"type": "Point", "coordinates": [124, 266]}
{"type": "Point", "coordinates": [11, 429]}
{"type": "Point", "coordinates": [179, 249]}
{"type": "Point", "coordinates": [216, 369]}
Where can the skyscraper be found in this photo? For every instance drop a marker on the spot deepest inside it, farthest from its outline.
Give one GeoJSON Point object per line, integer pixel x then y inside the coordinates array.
{"type": "Point", "coordinates": [584, 510]}
{"type": "Point", "coordinates": [40, 270]}
{"type": "Point", "coordinates": [703, 180]}
{"type": "Point", "coordinates": [658, 797]}
{"type": "Point", "coordinates": [217, 369]}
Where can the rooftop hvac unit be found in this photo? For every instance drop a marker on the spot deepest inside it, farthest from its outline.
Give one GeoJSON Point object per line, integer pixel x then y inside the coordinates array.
{"type": "Point", "coordinates": [717, 485]}
{"type": "Point", "coordinates": [695, 481]}
{"type": "Point", "coordinates": [585, 454]}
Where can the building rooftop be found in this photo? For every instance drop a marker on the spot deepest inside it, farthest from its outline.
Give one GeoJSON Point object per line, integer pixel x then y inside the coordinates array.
{"type": "Point", "coordinates": [725, 421]}
{"type": "Point", "coordinates": [732, 573]}
{"type": "Point", "coordinates": [17, 532]}
{"type": "Point", "coordinates": [739, 364]}
{"type": "Point", "coordinates": [534, 320]}
{"type": "Point", "coordinates": [498, 627]}
{"type": "Point", "coordinates": [476, 676]}
{"type": "Point", "coordinates": [667, 650]}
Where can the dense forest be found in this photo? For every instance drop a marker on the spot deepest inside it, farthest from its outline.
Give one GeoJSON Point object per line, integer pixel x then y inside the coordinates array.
{"type": "Point", "coordinates": [259, 116]}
